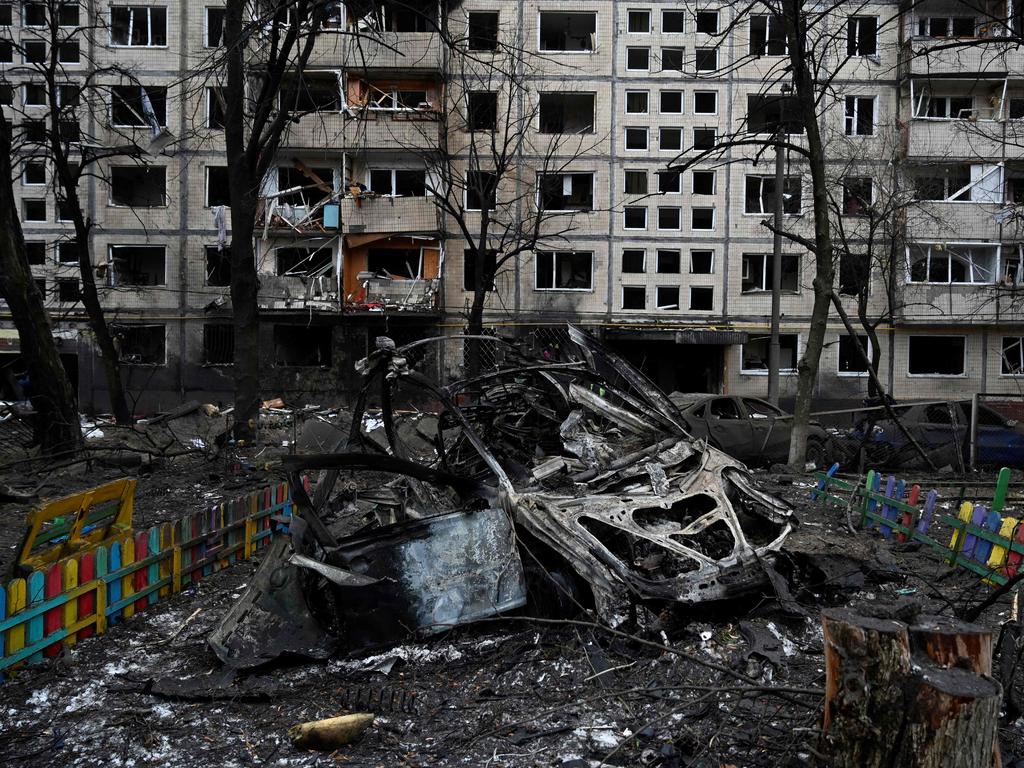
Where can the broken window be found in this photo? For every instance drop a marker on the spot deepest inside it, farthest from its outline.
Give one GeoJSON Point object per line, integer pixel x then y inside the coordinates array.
{"type": "Point", "coordinates": [702, 298]}
{"type": "Point", "coordinates": [403, 263]}
{"type": "Point", "coordinates": [68, 15]}
{"type": "Point", "coordinates": [34, 51]}
{"type": "Point", "coordinates": [706, 59]}
{"type": "Point", "coordinates": [636, 102]}
{"type": "Point", "coordinates": [137, 265]}
{"type": "Point", "coordinates": [635, 182]}
{"type": "Point", "coordinates": [564, 270]}
{"type": "Point", "coordinates": [68, 291]}
{"type": "Point", "coordinates": [481, 190]}
{"type": "Point", "coordinates": [755, 353]}
{"type": "Point", "coordinates": [304, 262]}
{"type": "Point", "coordinates": [850, 360]}
{"type": "Point", "coordinates": [760, 195]}
{"type": "Point", "coordinates": [767, 36]}
{"type": "Point", "coordinates": [670, 182]}
{"type": "Point", "coordinates": [138, 186]}
{"type": "Point", "coordinates": [469, 268]}
{"type": "Point", "coordinates": [705, 103]}
{"type": "Point", "coordinates": [33, 210]}
{"type": "Point", "coordinates": [33, 14]}
{"type": "Point", "coordinates": [313, 92]}
{"type": "Point", "coordinates": [567, 31]}
{"type": "Point", "coordinates": [672, 22]}
{"type": "Point", "coordinates": [707, 22]}
{"type": "Point", "coordinates": [862, 36]}
{"type": "Point", "coordinates": [703, 182]}
{"type": "Point", "coordinates": [140, 344]}
{"type": "Point", "coordinates": [1013, 356]}
{"type": "Point", "coordinates": [218, 186]}
{"type": "Point", "coordinates": [65, 212]}
{"type": "Point", "coordinates": [666, 297]}
{"type": "Point", "coordinates": [638, 59]}
{"type": "Point", "coordinates": [68, 52]}
{"type": "Point", "coordinates": [41, 286]}
{"type": "Point", "coordinates": [302, 345]}
{"type": "Point", "coordinates": [634, 217]}
{"type": "Point", "coordinates": [669, 218]}
{"type": "Point", "coordinates": [35, 252]}
{"type": "Point", "coordinates": [214, 27]}
{"type": "Point", "coordinates": [702, 219]}
{"type": "Point", "coordinates": [6, 54]}
{"type": "Point", "coordinates": [483, 31]}
{"type": "Point", "coordinates": [6, 14]}
{"type": "Point", "coordinates": [33, 173]}
{"type": "Point", "coordinates": [757, 272]}
{"type": "Point", "coordinates": [668, 262]}
{"type": "Point", "coordinates": [566, 191]}
{"type": "Point", "coordinates": [306, 187]}
{"type": "Point", "coordinates": [854, 269]}
{"type": "Point", "coordinates": [946, 183]}
{"type": "Point", "coordinates": [218, 266]}
{"type": "Point", "coordinates": [702, 262]}
{"type": "Point", "coordinates": [408, 15]}
{"type": "Point", "coordinates": [671, 103]}
{"type": "Point", "coordinates": [482, 111]}
{"type": "Point", "coordinates": [766, 113]}
{"type": "Point", "coordinates": [672, 59]}
{"type": "Point", "coordinates": [638, 22]}
{"type": "Point", "coordinates": [67, 252]}
{"type": "Point", "coordinates": [633, 260]}
{"type": "Point", "coordinates": [858, 195]}
{"type": "Point", "coordinates": [860, 115]}
{"type": "Point", "coordinates": [33, 95]}
{"type": "Point", "coordinates": [399, 182]}
{"type": "Point", "coordinates": [670, 139]}
{"type": "Point", "coordinates": [946, 26]}
{"type": "Point", "coordinates": [636, 139]}
{"type": "Point", "coordinates": [215, 109]}
{"type": "Point", "coordinates": [568, 112]}
{"type": "Point", "coordinates": [944, 107]}
{"type": "Point", "coordinates": [134, 25]}
{"type": "Point", "coordinates": [945, 263]}
{"type": "Point", "coordinates": [936, 355]}
{"type": "Point", "coordinates": [634, 297]}
{"type": "Point", "coordinates": [218, 344]}
{"type": "Point", "coordinates": [137, 106]}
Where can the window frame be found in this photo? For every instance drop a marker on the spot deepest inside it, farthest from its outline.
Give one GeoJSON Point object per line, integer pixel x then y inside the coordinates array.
{"type": "Point", "coordinates": [764, 371]}
{"type": "Point", "coordinates": [693, 99]}
{"type": "Point", "coordinates": [554, 269]}
{"type": "Point", "coordinates": [761, 196]}
{"type": "Point", "coordinates": [643, 261]}
{"type": "Point", "coordinates": [635, 92]}
{"type": "Point", "coordinates": [131, 25]}
{"type": "Point", "coordinates": [839, 359]}
{"type": "Point", "coordinates": [540, 35]}
{"type": "Point", "coordinates": [853, 120]}
{"type": "Point", "coordinates": [622, 297]}
{"type": "Point", "coordinates": [629, 21]}
{"type": "Point", "coordinates": [647, 66]}
{"type": "Point", "coordinates": [765, 277]}
{"type": "Point", "coordinates": [627, 208]}
{"type": "Point", "coordinates": [853, 23]}
{"type": "Point", "coordinates": [714, 218]}
{"type": "Point", "coordinates": [693, 288]}
{"type": "Point", "coordinates": [561, 174]}
{"type": "Point", "coordinates": [996, 271]}
{"type": "Point", "coordinates": [711, 266]}
{"type": "Point", "coordinates": [206, 26]}
{"type": "Point", "coordinates": [962, 375]}
{"type": "Point", "coordinates": [1019, 341]}
{"type": "Point", "coordinates": [625, 139]}
{"type": "Point", "coordinates": [682, 101]}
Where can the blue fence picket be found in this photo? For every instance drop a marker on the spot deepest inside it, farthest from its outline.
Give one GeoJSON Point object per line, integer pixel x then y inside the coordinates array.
{"type": "Point", "coordinates": [36, 584]}
{"type": "Point", "coordinates": [926, 514]}
{"type": "Point", "coordinates": [114, 586]}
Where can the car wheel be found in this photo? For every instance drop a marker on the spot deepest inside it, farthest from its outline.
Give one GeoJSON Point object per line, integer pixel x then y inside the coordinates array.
{"type": "Point", "coordinates": [817, 452]}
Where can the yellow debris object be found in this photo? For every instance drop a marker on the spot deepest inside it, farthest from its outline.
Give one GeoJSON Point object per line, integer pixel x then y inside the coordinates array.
{"type": "Point", "coordinates": [330, 733]}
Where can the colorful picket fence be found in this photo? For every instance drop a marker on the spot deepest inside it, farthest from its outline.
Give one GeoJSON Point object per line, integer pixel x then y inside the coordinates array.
{"type": "Point", "coordinates": [82, 595]}
{"type": "Point", "coordinates": [981, 537]}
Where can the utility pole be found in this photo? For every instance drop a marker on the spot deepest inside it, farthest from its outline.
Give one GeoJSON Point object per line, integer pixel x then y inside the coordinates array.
{"type": "Point", "coordinates": [774, 348]}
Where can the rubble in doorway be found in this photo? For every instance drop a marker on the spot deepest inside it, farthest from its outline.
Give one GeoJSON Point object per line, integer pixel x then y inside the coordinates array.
{"type": "Point", "coordinates": [557, 485]}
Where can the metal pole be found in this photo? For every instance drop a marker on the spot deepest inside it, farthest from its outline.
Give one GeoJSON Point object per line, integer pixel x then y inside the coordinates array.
{"type": "Point", "coordinates": [773, 346]}
{"type": "Point", "coordinates": [975, 401]}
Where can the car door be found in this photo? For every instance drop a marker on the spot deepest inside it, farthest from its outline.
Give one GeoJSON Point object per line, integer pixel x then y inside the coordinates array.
{"type": "Point", "coordinates": [728, 428]}
{"type": "Point", "coordinates": [770, 433]}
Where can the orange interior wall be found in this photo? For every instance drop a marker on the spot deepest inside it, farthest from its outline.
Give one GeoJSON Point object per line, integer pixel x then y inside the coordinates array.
{"type": "Point", "coordinates": [355, 259]}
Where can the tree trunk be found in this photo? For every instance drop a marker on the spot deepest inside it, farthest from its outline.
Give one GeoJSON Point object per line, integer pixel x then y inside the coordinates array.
{"type": "Point", "coordinates": [245, 309]}
{"type": "Point", "coordinates": [475, 327]}
{"type": "Point", "coordinates": [952, 643]}
{"type": "Point", "coordinates": [56, 426]}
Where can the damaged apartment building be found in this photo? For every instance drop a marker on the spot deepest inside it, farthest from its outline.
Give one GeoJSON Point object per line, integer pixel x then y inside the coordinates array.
{"type": "Point", "coordinates": [672, 270]}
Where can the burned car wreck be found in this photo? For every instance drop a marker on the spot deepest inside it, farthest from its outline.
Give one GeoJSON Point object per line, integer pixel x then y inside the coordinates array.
{"type": "Point", "coordinates": [573, 484]}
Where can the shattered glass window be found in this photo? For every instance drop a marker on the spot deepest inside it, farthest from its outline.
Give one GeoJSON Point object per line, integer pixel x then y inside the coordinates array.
{"type": "Point", "coordinates": [564, 270]}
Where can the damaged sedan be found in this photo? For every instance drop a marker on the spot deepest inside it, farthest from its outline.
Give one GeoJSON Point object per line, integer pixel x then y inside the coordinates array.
{"type": "Point", "coordinates": [556, 485]}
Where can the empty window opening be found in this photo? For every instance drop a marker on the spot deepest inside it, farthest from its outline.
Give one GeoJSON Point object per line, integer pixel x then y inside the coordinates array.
{"type": "Point", "coordinates": [668, 262]}
{"type": "Point", "coordinates": [481, 190]}
{"type": "Point", "coordinates": [636, 102]}
{"type": "Point", "coordinates": [399, 182]}
{"type": "Point", "coordinates": [33, 95]}
{"type": "Point", "coordinates": [757, 272]}
{"type": "Point", "coordinates": [634, 217]}
{"type": "Point", "coordinates": [672, 22]}
{"type": "Point", "coordinates": [636, 139]}
{"type": "Point", "coordinates": [482, 31]}
{"type": "Point", "coordinates": [33, 210]}
{"type": "Point", "coordinates": [218, 266]}
{"type": "Point", "coordinates": [672, 59]}
{"type": "Point", "coordinates": [704, 138]}
{"type": "Point", "coordinates": [946, 26]}
{"type": "Point", "coordinates": [568, 112]}
{"type": "Point", "coordinates": [141, 344]}
{"type": "Point", "coordinates": [138, 186]}
{"type": "Point", "coordinates": [137, 265]}
{"type": "Point", "coordinates": [702, 298]}
{"type": "Point", "coordinates": [706, 59]}
{"type": "Point", "coordinates": [667, 297]}
{"type": "Point", "coordinates": [670, 182]}
{"type": "Point", "coordinates": [633, 260]}
{"type": "Point", "coordinates": [304, 262]}
{"type": "Point", "coordinates": [567, 31]}
{"type": "Point", "coordinates": [566, 191]}
{"type": "Point", "coordinates": [218, 344]}
{"type": "Point", "coordinates": [850, 359]}
{"type": "Point", "coordinates": [858, 195]}
{"type": "Point", "coordinates": [33, 173]}
{"type": "Point", "coordinates": [638, 22]}
{"type": "Point", "coordinates": [402, 263]}
{"type": "Point", "coordinates": [35, 252]}
{"type": "Point", "coordinates": [482, 111]}
{"type": "Point", "coordinates": [304, 187]}
{"type": "Point", "coordinates": [564, 270]}
{"type": "Point", "coordinates": [671, 103]}
{"type": "Point", "coordinates": [702, 262]}
{"type": "Point", "coordinates": [34, 51]}
{"type": "Point", "coordinates": [313, 92]}
{"type": "Point", "coordinates": [860, 115]}
{"type": "Point", "coordinates": [1013, 356]}
{"type": "Point", "coordinates": [768, 36]}
{"type": "Point", "coordinates": [854, 271]}
{"type": "Point", "coordinates": [936, 355]}
{"type": "Point", "coordinates": [670, 139]}
{"type": "Point", "coordinates": [68, 291]}
{"type": "Point", "coordinates": [469, 269]}
{"type": "Point", "coordinates": [862, 36]}
{"type": "Point", "coordinates": [944, 263]}
{"type": "Point", "coordinates": [214, 27]}
{"type": "Point", "coordinates": [67, 252]}
{"type": "Point", "coordinates": [760, 195]}
{"type": "Point", "coordinates": [394, 15]}
{"type": "Point", "coordinates": [218, 186]}
{"type": "Point", "coordinates": [669, 218]}
{"type": "Point", "coordinates": [702, 219]}
{"type": "Point", "coordinates": [707, 22]}
{"type": "Point", "coordinates": [755, 353]}
{"type": "Point", "coordinates": [638, 59]}
{"type": "Point", "coordinates": [634, 297]}
{"type": "Point", "coordinates": [943, 107]}
{"type": "Point", "coordinates": [68, 52]}
{"type": "Point", "coordinates": [215, 109]}
{"type": "Point", "coordinates": [302, 345]}
{"type": "Point", "coordinates": [703, 182]}
{"type": "Point", "coordinates": [136, 106]}
{"type": "Point", "coordinates": [635, 182]}
{"type": "Point", "coordinates": [133, 25]}
{"type": "Point", "coordinates": [767, 113]}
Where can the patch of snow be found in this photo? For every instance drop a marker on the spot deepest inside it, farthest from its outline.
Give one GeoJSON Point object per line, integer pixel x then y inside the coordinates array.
{"type": "Point", "coordinates": [788, 648]}
{"type": "Point", "coordinates": [40, 698]}
{"type": "Point", "coordinates": [89, 696]}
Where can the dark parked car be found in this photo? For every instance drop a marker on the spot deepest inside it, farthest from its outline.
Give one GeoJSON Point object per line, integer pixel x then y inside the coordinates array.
{"type": "Point", "coordinates": [943, 430]}
{"type": "Point", "coordinates": [748, 429]}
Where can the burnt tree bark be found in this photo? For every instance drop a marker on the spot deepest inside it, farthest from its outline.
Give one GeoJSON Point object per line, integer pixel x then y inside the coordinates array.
{"type": "Point", "coordinates": [56, 426]}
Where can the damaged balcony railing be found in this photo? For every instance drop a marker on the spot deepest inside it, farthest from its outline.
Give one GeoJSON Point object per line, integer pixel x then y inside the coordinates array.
{"type": "Point", "coordinates": [407, 294]}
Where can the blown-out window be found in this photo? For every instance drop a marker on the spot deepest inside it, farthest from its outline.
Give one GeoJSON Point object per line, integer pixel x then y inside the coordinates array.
{"type": "Point", "coordinates": [564, 270]}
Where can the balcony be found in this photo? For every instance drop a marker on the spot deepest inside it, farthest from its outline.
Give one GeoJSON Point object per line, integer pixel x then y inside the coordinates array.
{"type": "Point", "coordinates": [372, 131]}
{"type": "Point", "coordinates": [388, 215]}
{"type": "Point", "coordinates": [405, 51]}
{"type": "Point", "coordinates": [990, 56]}
{"type": "Point", "coordinates": [949, 221]}
{"type": "Point", "coordinates": [408, 295]}
{"type": "Point", "coordinates": [949, 139]}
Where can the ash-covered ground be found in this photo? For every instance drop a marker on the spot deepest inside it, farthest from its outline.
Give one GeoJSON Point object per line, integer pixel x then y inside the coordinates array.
{"type": "Point", "coordinates": [735, 684]}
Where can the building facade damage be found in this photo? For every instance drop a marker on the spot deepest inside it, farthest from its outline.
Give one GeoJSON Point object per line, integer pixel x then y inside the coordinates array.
{"type": "Point", "coordinates": [567, 485]}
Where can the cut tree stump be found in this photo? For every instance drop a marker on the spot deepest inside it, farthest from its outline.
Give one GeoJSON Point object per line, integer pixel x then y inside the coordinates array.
{"type": "Point", "coordinates": [914, 697]}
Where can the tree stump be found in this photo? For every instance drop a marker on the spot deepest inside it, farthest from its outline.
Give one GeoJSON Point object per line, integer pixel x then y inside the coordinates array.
{"type": "Point", "coordinates": [951, 643]}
